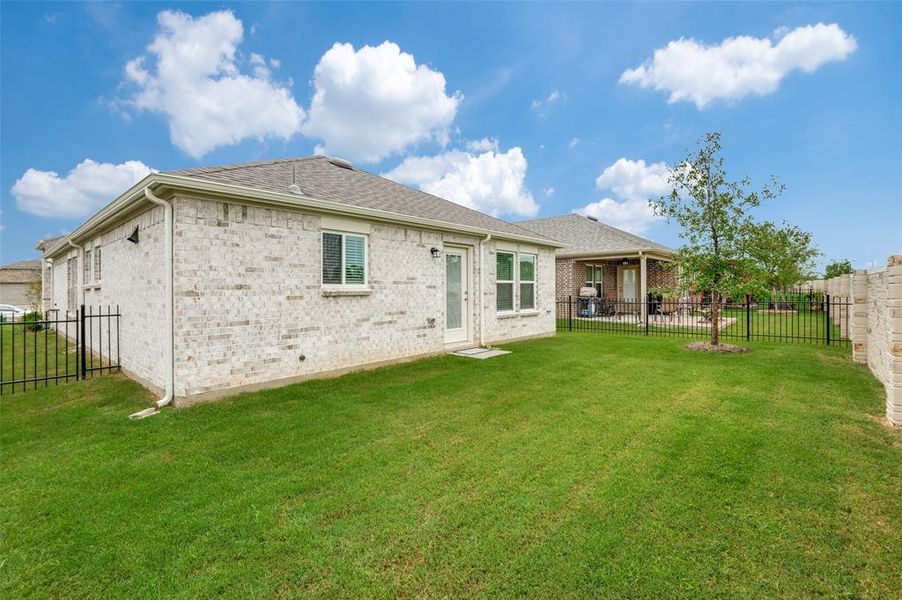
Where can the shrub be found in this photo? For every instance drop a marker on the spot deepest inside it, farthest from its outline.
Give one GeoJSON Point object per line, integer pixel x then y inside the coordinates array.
{"type": "Point", "coordinates": [34, 321]}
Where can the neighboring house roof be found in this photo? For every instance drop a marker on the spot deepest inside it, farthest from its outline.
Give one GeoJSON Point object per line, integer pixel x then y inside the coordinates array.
{"type": "Point", "coordinates": [585, 236]}
{"type": "Point", "coordinates": [323, 185]}
{"type": "Point", "coordinates": [23, 271]}
{"type": "Point", "coordinates": [319, 177]}
{"type": "Point", "coordinates": [47, 242]}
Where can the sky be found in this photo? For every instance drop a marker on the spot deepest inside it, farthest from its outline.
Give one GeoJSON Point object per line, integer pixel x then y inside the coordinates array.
{"type": "Point", "coordinates": [518, 110]}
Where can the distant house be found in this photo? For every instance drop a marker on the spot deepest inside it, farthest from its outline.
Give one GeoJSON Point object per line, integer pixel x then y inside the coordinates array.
{"type": "Point", "coordinates": [258, 274]}
{"type": "Point", "coordinates": [618, 264]}
{"type": "Point", "coordinates": [15, 279]}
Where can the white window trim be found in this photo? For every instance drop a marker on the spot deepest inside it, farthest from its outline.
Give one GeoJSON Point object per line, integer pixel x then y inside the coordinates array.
{"type": "Point", "coordinates": [514, 296]}
{"type": "Point", "coordinates": [97, 282]}
{"type": "Point", "coordinates": [366, 260]}
{"type": "Point", "coordinates": [535, 272]}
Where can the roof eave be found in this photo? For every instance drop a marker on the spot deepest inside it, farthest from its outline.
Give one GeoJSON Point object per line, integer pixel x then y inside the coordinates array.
{"type": "Point", "coordinates": [178, 183]}
{"type": "Point", "coordinates": [651, 252]}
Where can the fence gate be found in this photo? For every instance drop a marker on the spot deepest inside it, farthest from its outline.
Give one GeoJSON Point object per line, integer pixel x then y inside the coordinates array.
{"type": "Point", "coordinates": [57, 348]}
{"type": "Point", "coordinates": [795, 316]}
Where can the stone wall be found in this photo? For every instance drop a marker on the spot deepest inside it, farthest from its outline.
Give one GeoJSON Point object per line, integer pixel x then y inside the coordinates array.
{"type": "Point", "coordinates": [876, 325]}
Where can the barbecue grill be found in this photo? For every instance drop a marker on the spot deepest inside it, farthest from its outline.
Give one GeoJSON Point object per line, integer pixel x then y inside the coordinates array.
{"type": "Point", "coordinates": [588, 301]}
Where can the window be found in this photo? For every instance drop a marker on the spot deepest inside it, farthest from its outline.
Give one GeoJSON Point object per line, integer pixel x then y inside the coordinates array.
{"type": "Point", "coordinates": [594, 274]}
{"type": "Point", "coordinates": [344, 259]}
{"type": "Point", "coordinates": [504, 280]}
{"type": "Point", "coordinates": [527, 281]}
{"type": "Point", "coordinates": [71, 276]}
{"type": "Point", "coordinates": [87, 268]}
{"type": "Point", "coordinates": [97, 265]}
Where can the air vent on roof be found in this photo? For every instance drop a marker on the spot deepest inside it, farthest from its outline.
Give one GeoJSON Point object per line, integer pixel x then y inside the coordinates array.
{"type": "Point", "coordinates": [592, 218]}
{"type": "Point", "coordinates": [340, 162]}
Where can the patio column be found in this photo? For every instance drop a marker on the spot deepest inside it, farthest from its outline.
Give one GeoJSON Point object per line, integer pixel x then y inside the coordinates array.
{"type": "Point", "coordinates": [643, 286]}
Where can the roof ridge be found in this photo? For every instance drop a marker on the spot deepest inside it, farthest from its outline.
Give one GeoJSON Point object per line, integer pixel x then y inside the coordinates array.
{"type": "Point", "coordinates": [232, 166]}
{"type": "Point", "coordinates": [597, 222]}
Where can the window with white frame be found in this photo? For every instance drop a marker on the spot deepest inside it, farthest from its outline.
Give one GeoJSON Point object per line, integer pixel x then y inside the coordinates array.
{"type": "Point", "coordinates": [504, 281]}
{"type": "Point", "coordinates": [97, 265]}
{"type": "Point", "coordinates": [527, 281]}
{"type": "Point", "coordinates": [594, 276]}
{"type": "Point", "coordinates": [87, 268]}
{"type": "Point", "coordinates": [344, 259]}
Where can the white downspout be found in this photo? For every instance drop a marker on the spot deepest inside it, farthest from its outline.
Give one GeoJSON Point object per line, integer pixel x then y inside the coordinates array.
{"type": "Point", "coordinates": [47, 261]}
{"type": "Point", "coordinates": [169, 335]}
{"type": "Point", "coordinates": [481, 298]}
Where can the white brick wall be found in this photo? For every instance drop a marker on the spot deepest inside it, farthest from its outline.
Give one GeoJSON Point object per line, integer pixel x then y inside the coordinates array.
{"type": "Point", "coordinates": [132, 277]}
{"type": "Point", "coordinates": [249, 302]}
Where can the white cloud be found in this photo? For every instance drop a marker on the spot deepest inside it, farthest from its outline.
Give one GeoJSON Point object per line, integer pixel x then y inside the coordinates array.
{"type": "Point", "coordinates": [573, 143]}
{"type": "Point", "coordinates": [375, 102]}
{"type": "Point", "coordinates": [553, 97]}
{"type": "Point", "coordinates": [491, 182]}
{"type": "Point", "coordinates": [84, 189]}
{"type": "Point", "coordinates": [195, 80]}
{"type": "Point", "coordinates": [549, 192]}
{"type": "Point", "coordinates": [633, 183]}
{"type": "Point", "coordinates": [630, 215]}
{"type": "Point", "coordinates": [634, 180]}
{"type": "Point", "coordinates": [739, 66]}
{"type": "Point", "coordinates": [483, 145]}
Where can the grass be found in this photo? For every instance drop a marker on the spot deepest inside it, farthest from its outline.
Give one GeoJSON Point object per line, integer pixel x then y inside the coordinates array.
{"type": "Point", "coordinates": [802, 326]}
{"type": "Point", "coordinates": [584, 465]}
{"type": "Point", "coordinates": [27, 355]}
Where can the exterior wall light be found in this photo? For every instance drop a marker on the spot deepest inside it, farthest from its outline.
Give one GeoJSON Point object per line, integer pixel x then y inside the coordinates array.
{"type": "Point", "coordinates": [133, 238]}
{"type": "Point", "coordinates": [435, 252]}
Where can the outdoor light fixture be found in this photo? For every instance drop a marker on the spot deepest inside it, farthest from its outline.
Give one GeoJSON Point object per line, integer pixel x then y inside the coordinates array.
{"type": "Point", "coordinates": [626, 261]}
{"type": "Point", "coordinates": [435, 252]}
{"type": "Point", "coordinates": [133, 238]}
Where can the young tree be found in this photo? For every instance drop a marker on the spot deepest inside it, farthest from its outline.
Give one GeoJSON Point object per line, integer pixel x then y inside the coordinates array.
{"type": "Point", "coordinates": [717, 227]}
{"type": "Point", "coordinates": [784, 256]}
{"type": "Point", "coordinates": [33, 295]}
{"type": "Point", "coordinates": [837, 268]}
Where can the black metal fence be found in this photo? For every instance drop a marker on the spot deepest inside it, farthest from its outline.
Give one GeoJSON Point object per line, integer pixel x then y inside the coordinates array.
{"type": "Point", "coordinates": [58, 348]}
{"type": "Point", "coordinates": [796, 317]}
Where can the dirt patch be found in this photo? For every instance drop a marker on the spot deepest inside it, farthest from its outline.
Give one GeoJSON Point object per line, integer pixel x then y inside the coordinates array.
{"type": "Point", "coordinates": [722, 348]}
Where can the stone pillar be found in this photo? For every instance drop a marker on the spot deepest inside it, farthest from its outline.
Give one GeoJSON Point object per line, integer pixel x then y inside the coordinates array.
{"type": "Point", "coordinates": [643, 285]}
{"type": "Point", "coordinates": [842, 312]}
{"type": "Point", "coordinates": [859, 317]}
{"type": "Point", "coordinates": [894, 323]}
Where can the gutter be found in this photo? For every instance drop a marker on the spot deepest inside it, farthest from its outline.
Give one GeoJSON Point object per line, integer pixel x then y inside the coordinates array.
{"type": "Point", "coordinates": [170, 332]}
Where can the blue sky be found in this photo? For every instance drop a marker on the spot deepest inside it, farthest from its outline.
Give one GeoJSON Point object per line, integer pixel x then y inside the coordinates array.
{"type": "Point", "coordinates": [519, 110]}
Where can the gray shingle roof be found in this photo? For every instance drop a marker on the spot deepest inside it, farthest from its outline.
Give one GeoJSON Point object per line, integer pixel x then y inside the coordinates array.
{"type": "Point", "coordinates": [583, 235]}
{"type": "Point", "coordinates": [319, 178]}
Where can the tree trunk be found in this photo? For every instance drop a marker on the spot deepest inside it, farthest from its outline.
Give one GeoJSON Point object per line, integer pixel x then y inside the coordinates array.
{"type": "Point", "coordinates": [715, 320]}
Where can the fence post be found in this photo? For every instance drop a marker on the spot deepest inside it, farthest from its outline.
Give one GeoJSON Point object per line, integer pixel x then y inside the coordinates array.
{"type": "Point", "coordinates": [83, 344]}
{"type": "Point", "coordinates": [570, 313]}
{"type": "Point", "coordinates": [748, 317]}
{"type": "Point", "coordinates": [647, 311]}
{"type": "Point", "coordinates": [827, 320]}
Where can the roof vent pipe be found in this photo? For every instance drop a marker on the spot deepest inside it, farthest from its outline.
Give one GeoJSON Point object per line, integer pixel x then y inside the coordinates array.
{"type": "Point", "coordinates": [341, 162]}
{"type": "Point", "coordinates": [592, 218]}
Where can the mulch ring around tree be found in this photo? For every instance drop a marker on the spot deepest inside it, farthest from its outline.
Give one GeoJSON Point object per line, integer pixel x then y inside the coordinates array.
{"type": "Point", "coordinates": [721, 348]}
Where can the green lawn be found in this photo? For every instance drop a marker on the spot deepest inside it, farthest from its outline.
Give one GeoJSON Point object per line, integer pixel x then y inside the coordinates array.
{"type": "Point", "coordinates": [27, 355]}
{"type": "Point", "coordinates": [579, 466]}
{"type": "Point", "coordinates": [802, 326]}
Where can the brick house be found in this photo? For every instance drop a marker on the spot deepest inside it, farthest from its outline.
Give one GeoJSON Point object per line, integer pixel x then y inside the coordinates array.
{"type": "Point", "coordinates": [15, 279]}
{"type": "Point", "coordinates": [244, 276]}
{"type": "Point", "coordinates": [618, 264]}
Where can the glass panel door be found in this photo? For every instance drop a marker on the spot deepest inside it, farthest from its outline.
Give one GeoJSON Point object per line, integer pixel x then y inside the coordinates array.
{"type": "Point", "coordinates": [457, 279]}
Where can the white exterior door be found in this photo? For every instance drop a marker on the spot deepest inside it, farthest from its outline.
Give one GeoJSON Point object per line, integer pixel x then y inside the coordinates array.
{"type": "Point", "coordinates": [457, 295]}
